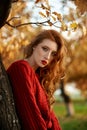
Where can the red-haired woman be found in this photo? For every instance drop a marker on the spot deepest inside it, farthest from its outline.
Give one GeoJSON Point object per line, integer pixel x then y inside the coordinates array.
{"type": "Point", "coordinates": [33, 81]}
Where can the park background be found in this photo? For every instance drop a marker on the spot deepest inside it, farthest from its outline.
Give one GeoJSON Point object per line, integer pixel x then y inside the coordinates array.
{"type": "Point", "coordinates": [27, 17]}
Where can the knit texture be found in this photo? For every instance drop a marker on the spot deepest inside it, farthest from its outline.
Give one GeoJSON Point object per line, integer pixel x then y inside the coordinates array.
{"type": "Point", "coordinates": [30, 99]}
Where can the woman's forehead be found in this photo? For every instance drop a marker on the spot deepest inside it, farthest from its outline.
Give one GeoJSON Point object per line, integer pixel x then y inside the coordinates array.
{"type": "Point", "coordinates": [50, 44]}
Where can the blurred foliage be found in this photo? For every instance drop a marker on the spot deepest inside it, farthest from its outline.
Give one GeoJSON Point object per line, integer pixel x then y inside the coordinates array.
{"type": "Point", "coordinates": [18, 34]}
{"type": "Point", "coordinates": [81, 5]}
{"type": "Point", "coordinates": [77, 63]}
{"type": "Point", "coordinates": [13, 40]}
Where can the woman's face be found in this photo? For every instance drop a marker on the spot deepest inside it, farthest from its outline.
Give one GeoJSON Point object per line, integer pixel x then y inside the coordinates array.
{"type": "Point", "coordinates": [44, 53]}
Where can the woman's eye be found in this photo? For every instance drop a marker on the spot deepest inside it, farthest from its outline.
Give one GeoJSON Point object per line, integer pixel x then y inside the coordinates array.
{"type": "Point", "coordinates": [45, 48]}
{"type": "Point", "coordinates": [53, 53]}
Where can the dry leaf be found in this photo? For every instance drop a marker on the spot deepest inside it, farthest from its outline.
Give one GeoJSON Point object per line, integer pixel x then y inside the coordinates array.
{"type": "Point", "coordinates": [53, 18]}
{"type": "Point", "coordinates": [37, 1]}
{"type": "Point", "coordinates": [50, 23]}
{"type": "Point", "coordinates": [47, 13]}
{"type": "Point", "coordinates": [42, 14]}
{"type": "Point", "coordinates": [58, 15]}
{"type": "Point", "coordinates": [63, 26]}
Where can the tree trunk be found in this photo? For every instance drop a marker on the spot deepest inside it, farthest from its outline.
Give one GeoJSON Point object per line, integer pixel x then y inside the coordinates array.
{"type": "Point", "coordinates": [8, 116]}
{"type": "Point", "coordinates": [67, 100]}
{"type": "Point", "coordinates": [5, 7]}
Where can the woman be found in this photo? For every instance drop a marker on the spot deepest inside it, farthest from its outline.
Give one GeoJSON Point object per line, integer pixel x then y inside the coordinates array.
{"type": "Point", "coordinates": [33, 81]}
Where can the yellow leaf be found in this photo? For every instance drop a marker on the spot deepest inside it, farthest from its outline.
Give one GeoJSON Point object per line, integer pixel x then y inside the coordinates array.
{"type": "Point", "coordinates": [74, 25]}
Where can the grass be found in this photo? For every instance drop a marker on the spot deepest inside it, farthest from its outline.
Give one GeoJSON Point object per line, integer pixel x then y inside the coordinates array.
{"type": "Point", "coordinates": [78, 121]}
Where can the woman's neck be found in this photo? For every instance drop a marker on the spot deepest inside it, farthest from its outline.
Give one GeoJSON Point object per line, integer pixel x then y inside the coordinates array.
{"type": "Point", "coordinates": [31, 63]}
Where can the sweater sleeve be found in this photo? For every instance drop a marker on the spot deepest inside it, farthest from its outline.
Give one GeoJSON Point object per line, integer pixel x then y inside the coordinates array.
{"type": "Point", "coordinates": [27, 108]}
{"type": "Point", "coordinates": [55, 122]}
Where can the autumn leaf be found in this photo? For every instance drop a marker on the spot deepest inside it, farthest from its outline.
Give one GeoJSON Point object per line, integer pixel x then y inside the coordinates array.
{"type": "Point", "coordinates": [50, 23]}
{"type": "Point", "coordinates": [58, 15]}
{"type": "Point", "coordinates": [44, 7]}
{"type": "Point", "coordinates": [37, 1]}
{"type": "Point", "coordinates": [63, 26]}
{"type": "Point", "coordinates": [54, 18]}
{"type": "Point", "coordinates": [47, 13]}
{"type": "Point", "coordinates": [73, 25]}
{"type": "Point", "coordinates": [42, 14]}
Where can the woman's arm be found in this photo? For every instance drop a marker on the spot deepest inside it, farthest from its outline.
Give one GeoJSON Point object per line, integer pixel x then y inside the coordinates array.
{"type": "Point", "coordinates": [27, 109]}
{"type": "Point", "coordinates": [55, 122]}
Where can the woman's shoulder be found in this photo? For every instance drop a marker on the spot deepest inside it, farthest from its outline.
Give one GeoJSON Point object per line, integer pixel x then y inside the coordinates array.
{"type": "Point", "coordinates": [21, 65]}
{"type": "Point", "coordinates": [20, 62]}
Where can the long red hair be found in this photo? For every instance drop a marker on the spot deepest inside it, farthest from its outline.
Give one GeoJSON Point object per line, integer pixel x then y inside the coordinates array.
{"type": "Point", "coordinates": [53, 72]}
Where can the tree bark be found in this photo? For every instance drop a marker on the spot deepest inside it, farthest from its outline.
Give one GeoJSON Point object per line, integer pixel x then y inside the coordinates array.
{"type": "Point", "coordinates": [8, 116]}
{"type": "Point", "coordinates": [5, 6]}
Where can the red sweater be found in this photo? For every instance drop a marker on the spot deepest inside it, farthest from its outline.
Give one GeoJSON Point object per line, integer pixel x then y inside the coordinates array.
{"type": "Point", "coordinates": [30, 99]}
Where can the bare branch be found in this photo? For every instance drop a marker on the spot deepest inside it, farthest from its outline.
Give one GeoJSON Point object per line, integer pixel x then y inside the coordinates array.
{"type": "Point", "coordinates": [16, 26]}
{"type": "Point", "coordinates": [12, 18]}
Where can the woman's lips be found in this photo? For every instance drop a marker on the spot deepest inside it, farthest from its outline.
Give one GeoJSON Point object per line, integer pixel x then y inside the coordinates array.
{"type": "Point", "coordinates": [44, 62]}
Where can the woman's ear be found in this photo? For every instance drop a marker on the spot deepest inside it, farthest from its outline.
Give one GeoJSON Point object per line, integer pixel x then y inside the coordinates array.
{"type": "Point", "coordinates": [33, 48]}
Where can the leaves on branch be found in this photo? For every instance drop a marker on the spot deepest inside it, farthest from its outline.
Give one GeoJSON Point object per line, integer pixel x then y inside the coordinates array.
{"type": "Point", "coordinates": [59, 17]}
{"type": "Point", "coordinates": [63, 26]}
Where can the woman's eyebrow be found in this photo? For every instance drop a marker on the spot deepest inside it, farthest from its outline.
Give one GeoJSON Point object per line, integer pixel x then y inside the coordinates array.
{"type": "Point", "coordinates": [45, 46]}
{"type": "Point", "coordinates": [54, 52]}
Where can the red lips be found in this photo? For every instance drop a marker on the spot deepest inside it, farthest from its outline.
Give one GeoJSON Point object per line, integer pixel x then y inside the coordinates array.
{"type": "Point", "coordinates": [44, 62]}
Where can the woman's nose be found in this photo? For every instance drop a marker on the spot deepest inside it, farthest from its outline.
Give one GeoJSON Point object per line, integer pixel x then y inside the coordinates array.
{"type": "Point", "coordinates": [48, 55]}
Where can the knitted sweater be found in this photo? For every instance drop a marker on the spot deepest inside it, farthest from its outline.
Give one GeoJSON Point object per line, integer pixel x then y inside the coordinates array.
{"type": "Point", "coordinates": [30, 99]}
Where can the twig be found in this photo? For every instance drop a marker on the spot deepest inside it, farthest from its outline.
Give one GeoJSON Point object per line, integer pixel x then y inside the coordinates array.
{"type": "Point", "coordinates": [12, 19]}
{"type": "Point", "coordinates": [16, 26]}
